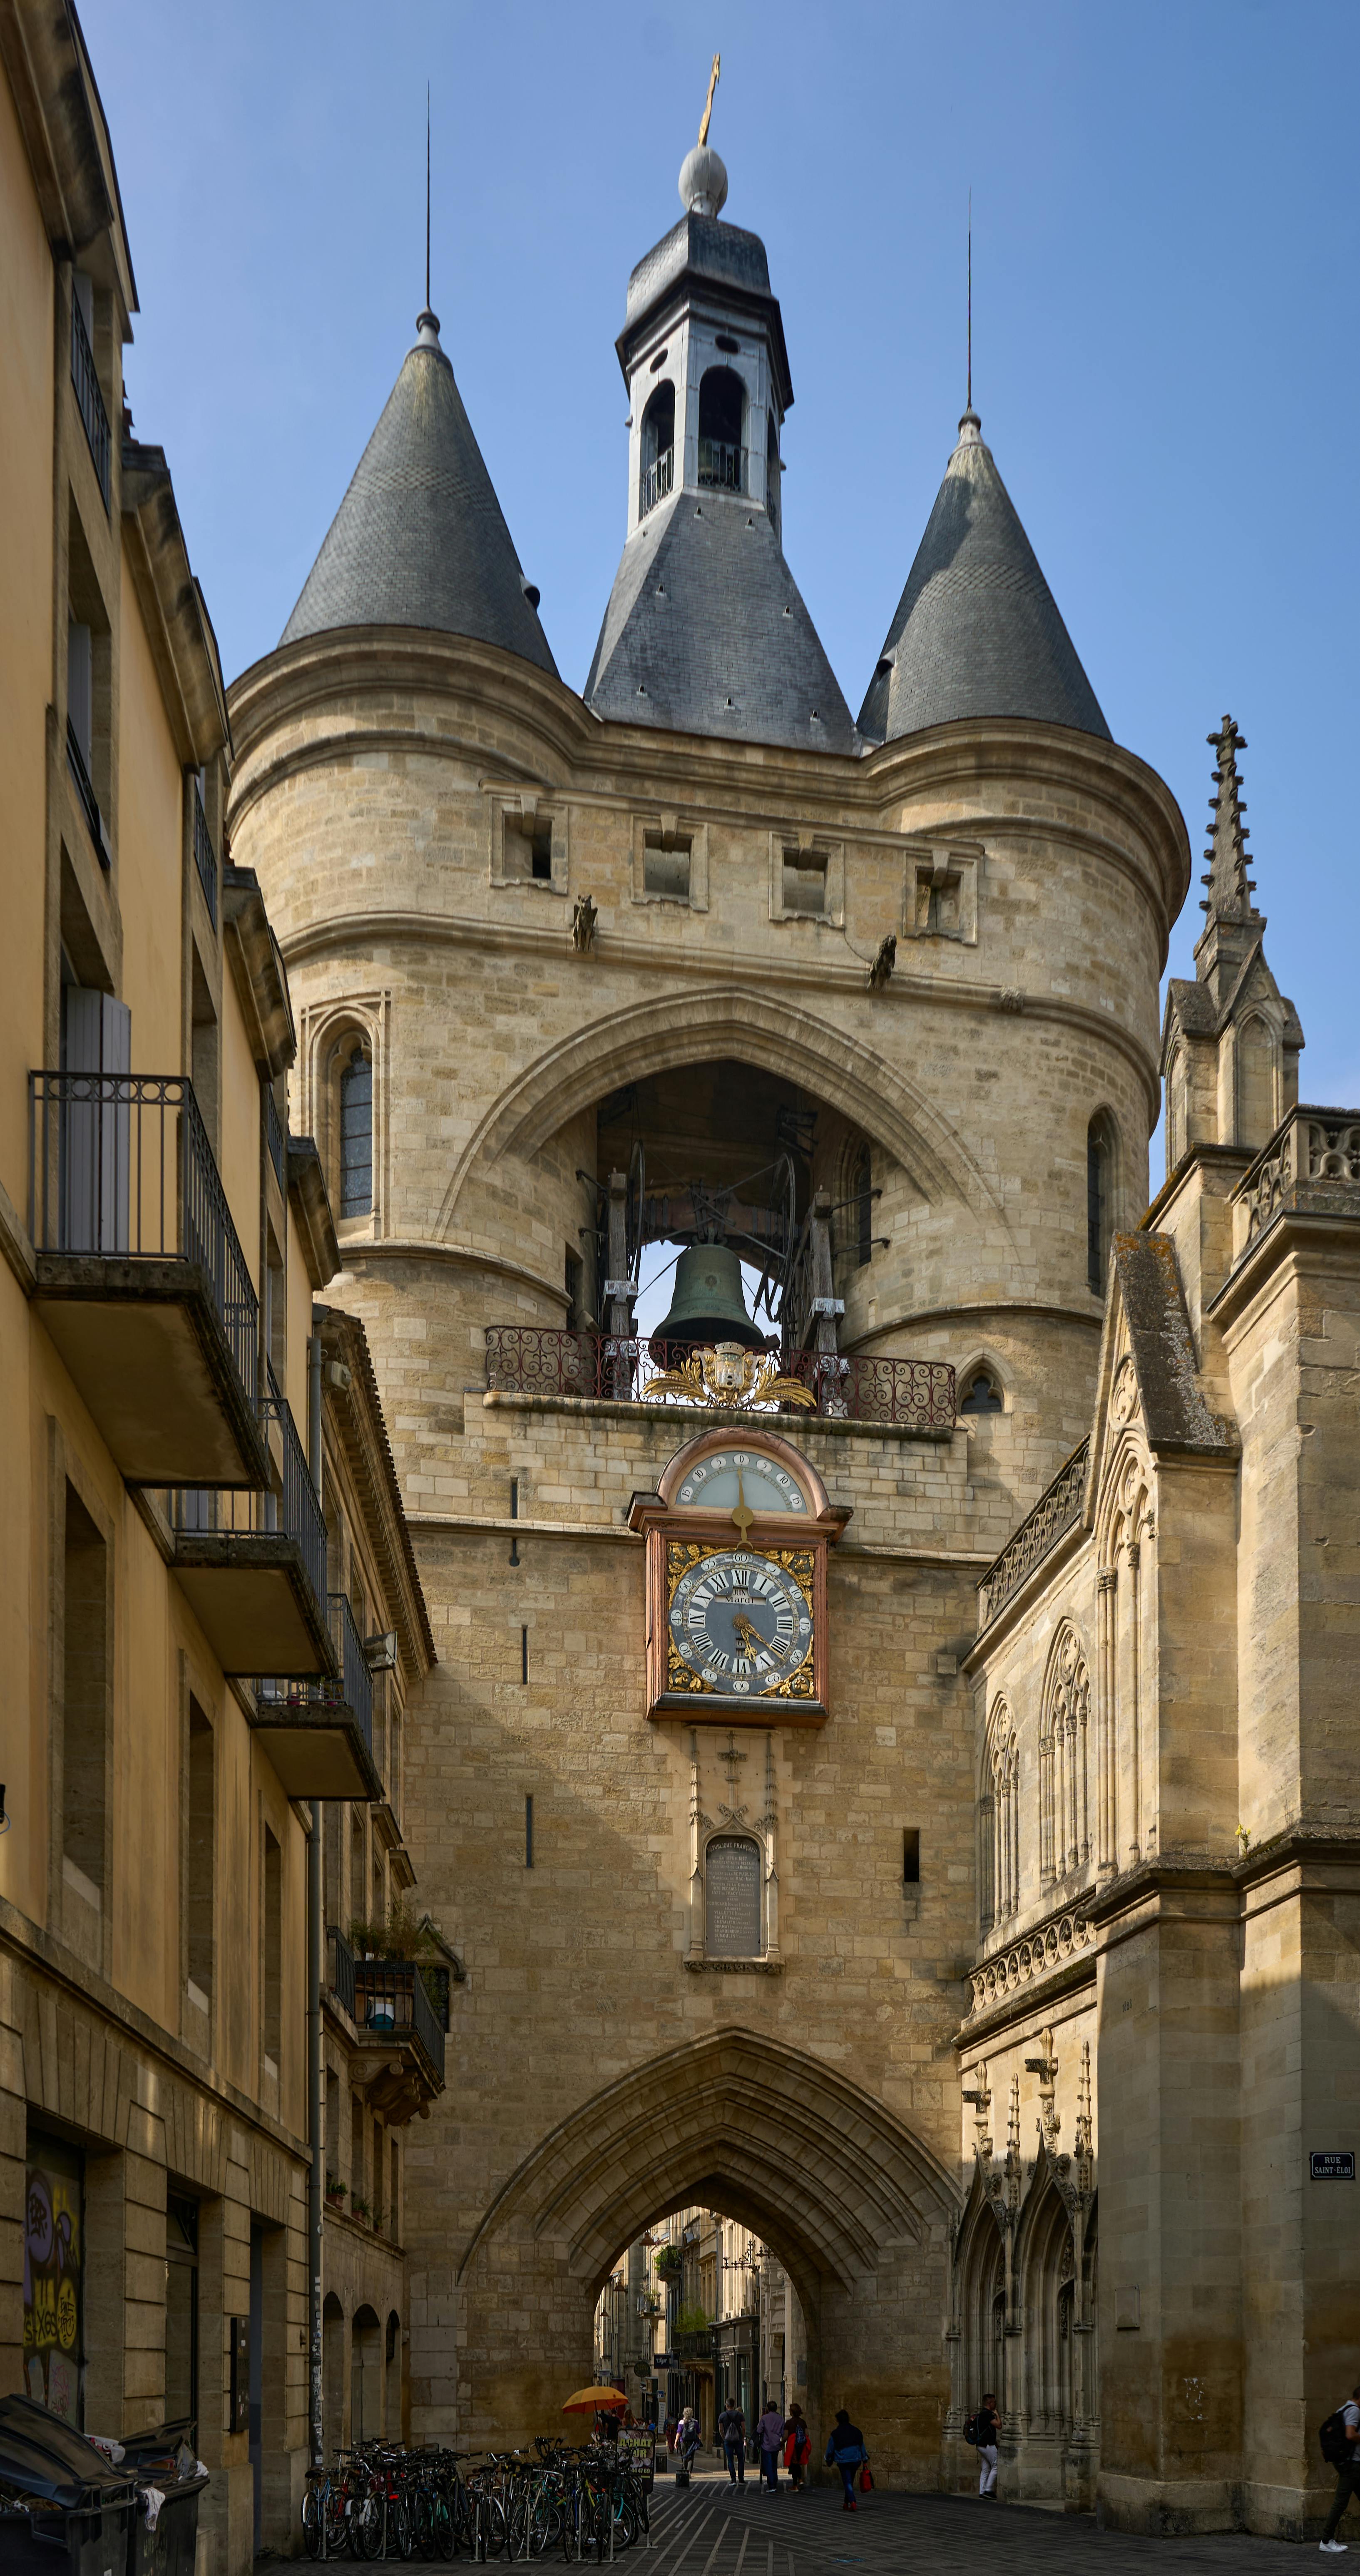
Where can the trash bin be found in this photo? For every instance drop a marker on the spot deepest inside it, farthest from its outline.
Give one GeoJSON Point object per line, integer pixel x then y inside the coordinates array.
{"type": "Point", "coordinates": [170, 2549]}
{"type": "Point", "coordinates": [65, 2512]}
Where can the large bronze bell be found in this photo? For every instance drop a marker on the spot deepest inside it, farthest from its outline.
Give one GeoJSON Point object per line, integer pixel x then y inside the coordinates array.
{"type": "Point", "coordinates": [708, 1305]}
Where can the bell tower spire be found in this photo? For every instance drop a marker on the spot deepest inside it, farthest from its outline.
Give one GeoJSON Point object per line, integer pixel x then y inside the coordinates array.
{"type": "Point", "coordinates": [705, 631]}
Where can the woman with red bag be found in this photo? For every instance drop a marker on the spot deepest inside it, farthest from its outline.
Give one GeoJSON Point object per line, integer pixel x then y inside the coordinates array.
{"type": "Point", "coordinates": [797, 2447]}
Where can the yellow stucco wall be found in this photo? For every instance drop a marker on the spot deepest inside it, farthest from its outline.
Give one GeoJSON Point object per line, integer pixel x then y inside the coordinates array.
{"type": "Point", "coordinates": [26, 427]}
{"type": "Point", "coordinates": [150, 843]}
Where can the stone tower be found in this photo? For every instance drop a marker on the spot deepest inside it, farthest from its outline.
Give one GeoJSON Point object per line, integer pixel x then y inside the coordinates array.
{"type": "Point", "coordinates": [577, 973]}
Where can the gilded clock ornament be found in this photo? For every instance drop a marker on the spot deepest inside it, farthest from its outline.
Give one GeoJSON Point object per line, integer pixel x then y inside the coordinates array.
{"type": "Point", "coordinates": [737, 1538]}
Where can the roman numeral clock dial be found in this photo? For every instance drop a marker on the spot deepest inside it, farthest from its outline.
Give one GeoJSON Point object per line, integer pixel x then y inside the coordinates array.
{"type": "Point", "coordinates": [742, 1616]}
{"type": "Point", "coordinates": [737, 1536]}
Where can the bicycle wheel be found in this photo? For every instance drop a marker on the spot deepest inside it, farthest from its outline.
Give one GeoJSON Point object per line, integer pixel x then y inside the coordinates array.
{"type": "Point", "coordinates": [443, 2529]}
{"type": "Point", "coordinates": [496, 2532]}
{"type": "Point", "coordinates": [313, 2522]}
{"type": "Point", "coordinates": [366, 2527]}
{"type": "Point", "coordinates": [401, 2526]}
{"type": "Point", "coordinates": [625, 2524]}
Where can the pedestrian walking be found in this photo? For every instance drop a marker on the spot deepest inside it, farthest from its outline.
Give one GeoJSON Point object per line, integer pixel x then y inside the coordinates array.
{"type": "Point", "coordinates": [797, 2448]}
{"type": "Point", "coordinates": [686, 2444]}
{"type": "Point", "coordinates": [846, 2449]}
{"type": "Point", "coordinates": [1340, 2439]}
{"type": "Point", "coordinates": [732, 2435]}
{"type": "Point", "coordinates": [983, 2430]}
{"type": "Point", "coordinates": [769, 2434]}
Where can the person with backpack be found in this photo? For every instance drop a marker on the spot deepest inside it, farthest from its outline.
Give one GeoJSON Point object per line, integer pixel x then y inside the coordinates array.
{"type": "Point", "coordinates": [686, 2444]}
{"type": "Point", "coordinates": [846, 2448]}
{"type": "Point", "coordinates": [1340, 2439]}
{"type": "Point", "coordinates": [983, 2430]}
{"type": "Point", "coordinates": [732, 2435]}
{"type": "Point", "coordinates": [770, 2433]}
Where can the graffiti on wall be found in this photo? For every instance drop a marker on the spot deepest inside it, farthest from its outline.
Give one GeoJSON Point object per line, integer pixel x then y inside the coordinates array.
{"type": "Point", "coordinates": [53, 2252]}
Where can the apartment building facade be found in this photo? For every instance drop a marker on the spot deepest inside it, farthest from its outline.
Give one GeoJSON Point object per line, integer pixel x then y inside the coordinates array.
{"type": "Point", "coordinates": [209, 1612]}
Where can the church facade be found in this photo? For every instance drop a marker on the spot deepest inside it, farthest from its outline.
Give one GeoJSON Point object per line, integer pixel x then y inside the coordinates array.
{"type": "Point", "coordinates": [892, 1788]}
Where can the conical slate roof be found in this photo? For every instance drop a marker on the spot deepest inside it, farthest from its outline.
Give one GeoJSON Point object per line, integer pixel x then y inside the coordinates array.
{"type": "Point", "coordinates": [977, 630]}
{"type": "Point", "coordinates": [706, 633]}
{"type": "Point", "coordinates": [420, 539]}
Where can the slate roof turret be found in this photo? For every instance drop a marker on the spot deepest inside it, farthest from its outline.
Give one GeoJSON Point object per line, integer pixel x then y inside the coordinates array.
{"type": "Point", "coordinates": [977, 630]}
{"type": "Point", "coordinates": [420, 539]}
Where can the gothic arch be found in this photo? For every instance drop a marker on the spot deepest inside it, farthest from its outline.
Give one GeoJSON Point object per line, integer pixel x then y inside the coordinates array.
{"type": "Point", "coordinates": [999, 1809]}
{"type": "Point", "coordinates": [774, 2137]}
{"type": "Point", "coordinates": [655, 1036]}
{"type": "Point", "coordinates": [981, 2301]}
{"type": "Point", "coordinates": [1064, 1756]}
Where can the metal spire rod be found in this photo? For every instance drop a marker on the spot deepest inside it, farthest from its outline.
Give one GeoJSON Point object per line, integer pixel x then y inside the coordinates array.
{"type": "Point", "coordinates": [969, 405]}
{"type": "Point", "coordinates": [427, 196]}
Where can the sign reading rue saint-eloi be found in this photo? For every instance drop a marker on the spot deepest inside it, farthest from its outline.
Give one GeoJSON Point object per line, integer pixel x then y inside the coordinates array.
{"type": "Point", "coordinates": [1331, 2164]}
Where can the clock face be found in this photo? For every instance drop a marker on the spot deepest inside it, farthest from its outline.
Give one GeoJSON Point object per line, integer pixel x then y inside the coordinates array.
{"type": "Point", "coordinates": [740, 1623]}
{"type": "Point", "coordinates": [735, 1479]}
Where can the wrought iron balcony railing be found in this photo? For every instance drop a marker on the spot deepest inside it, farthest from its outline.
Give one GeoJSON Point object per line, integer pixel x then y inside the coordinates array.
{"type": "Point", "coordinates": [657, 482]}
{"type": "Point", "coordinates": [532, 1359]}
{"type": "Point", "coordinates": [89, 397]}
{"type": "Point", "coordinates": [89, 802]}
{"type": "Point", "coordinates": [205, 857]}
{"type": "Point", "coordinates": [293, 1512]}
{"type": "Point", "coordinates": [722, 466]}
{"type": "Point", "coordinates": [299, 1503]}
{"type": "Point", "coordinates": [120, 1167]}
{"type": "Point", "coordinates": [390, 1998]}
{"type": "Point", "coordinates": [349, 1691]}
{"type": "Point", "coordinates": [1053, 1515]}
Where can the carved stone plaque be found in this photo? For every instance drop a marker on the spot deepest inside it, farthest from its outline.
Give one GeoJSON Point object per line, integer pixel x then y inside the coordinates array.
{"type": "Point", "coordinates": [732, 1890]}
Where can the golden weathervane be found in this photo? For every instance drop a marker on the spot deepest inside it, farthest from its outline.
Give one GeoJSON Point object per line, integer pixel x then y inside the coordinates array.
{"type": "Point", "coordinates": [713, 79]}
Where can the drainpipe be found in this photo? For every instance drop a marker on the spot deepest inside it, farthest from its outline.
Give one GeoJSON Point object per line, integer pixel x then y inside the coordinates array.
{"type": "Point", "coordinates": [316, 2180]}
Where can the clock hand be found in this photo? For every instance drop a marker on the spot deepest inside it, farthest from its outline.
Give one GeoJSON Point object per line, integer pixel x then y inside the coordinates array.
{"type": "Point", "coordinates": [740, 1514]}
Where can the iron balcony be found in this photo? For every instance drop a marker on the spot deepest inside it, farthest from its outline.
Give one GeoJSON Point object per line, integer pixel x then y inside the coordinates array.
{"type": "Point", "coordinates": [142, 1283]}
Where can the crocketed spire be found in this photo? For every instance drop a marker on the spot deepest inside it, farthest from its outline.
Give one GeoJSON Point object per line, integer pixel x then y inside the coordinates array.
{"type": "Point", "coordinates": [1230, 888]}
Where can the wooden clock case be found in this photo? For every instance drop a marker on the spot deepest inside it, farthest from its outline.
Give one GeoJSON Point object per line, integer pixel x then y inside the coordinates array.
{"type": "Point", "coordinates": [811, 1533]}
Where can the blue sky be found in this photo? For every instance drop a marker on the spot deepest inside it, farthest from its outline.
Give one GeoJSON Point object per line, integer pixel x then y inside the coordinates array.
{"type": "Point", "coordinates": [1165, 344]}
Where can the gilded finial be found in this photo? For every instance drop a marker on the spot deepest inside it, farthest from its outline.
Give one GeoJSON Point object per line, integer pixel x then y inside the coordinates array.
{"type": "Point", "coordinates": [713, 79]}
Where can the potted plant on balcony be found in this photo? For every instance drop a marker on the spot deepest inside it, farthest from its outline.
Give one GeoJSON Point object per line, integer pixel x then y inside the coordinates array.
{"type": "Point", "coordinates": [402, 1937]}
{"type": "Point", "coordinates": [358, 2207]}
{"type": "Point", "coordinates": [336, 2191]}
{"type": "Point", "coordinates": [669, 2264]}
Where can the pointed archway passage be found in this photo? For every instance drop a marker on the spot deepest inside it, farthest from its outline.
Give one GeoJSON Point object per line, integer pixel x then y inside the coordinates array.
{"type": "Point", "coordinates": [855, 2206]}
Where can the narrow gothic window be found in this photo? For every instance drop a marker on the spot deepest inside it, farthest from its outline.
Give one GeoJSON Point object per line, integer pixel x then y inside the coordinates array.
{"type": "Point", "coordinates": [981, 1394]}
{"type": "Point", "coordinates": [722, 401]}
{"type": "Point", "coordinates": [1097, 1204]}
{"type": "Point", "coordinates": [732, 1898]}
{"type": "Point", "coordinates": [658, 450]}
{"type": "Point", "coordinates": [356, 1135]}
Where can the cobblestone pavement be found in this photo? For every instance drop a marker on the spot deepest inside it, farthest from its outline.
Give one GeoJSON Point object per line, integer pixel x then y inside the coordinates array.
{"type": "Point", "coordinates": [714, 2529]}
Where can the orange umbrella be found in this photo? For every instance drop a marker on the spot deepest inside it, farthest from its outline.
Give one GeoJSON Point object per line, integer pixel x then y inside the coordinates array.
{"type": "Point", "coordinates": [587, 2399]}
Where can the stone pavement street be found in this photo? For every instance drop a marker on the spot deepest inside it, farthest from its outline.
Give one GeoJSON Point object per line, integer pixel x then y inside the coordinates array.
{"type": "Point", "coordinates": [714, 2529]}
